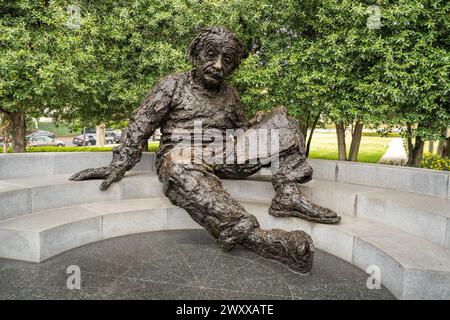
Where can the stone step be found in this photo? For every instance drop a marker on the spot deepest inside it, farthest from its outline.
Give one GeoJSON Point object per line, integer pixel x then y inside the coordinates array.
{"type": "Point", "coordinates": [426, 182]}
{"type": "Point", "coordinates": [41, 235]}
{"type": "Point", "coordinates": [412, 268]}
{"type": "Point", "coordinates": [340, 197]}
{"type": "Point", "coordinates": [34, 194]}
{"type": "Point", "coordinates": [426, 217]}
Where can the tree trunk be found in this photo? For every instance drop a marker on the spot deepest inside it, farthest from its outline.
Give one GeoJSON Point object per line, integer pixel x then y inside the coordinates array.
{"type": "Point", "coordinates": [446, 148]}
{"type": "Point", "coordinates": [440, 148]}
{"type": "Point", "coordinates": [431, 146]}
{"type": "Point", "coordinates": [443, 148]}
{"type": "Point", "coordinates": [415, 151]}
{"type": "Point", "coordinates": [342, 149]}
{"type": "Point", "coordinates": [36, 123]}
{"type": "Point", "coordinates": [5, 144]}
{"type": "Point", "coordinates": [304, 125]}
{"type": "Point", "coordinates": [5, 140]}
{"type": "Point", "coordinates": [101, 134]}
{"type": "Point", "coordinates": [409, 139]}
{"type": "Point", "coordinates": [4, 126]}
{"type": "Point", "coordinates": [308, 145]}
{"type": "Point", "coordinates": [441, 143]}
{"type": "Point", "coordinates": [18, 130]}
{"type": "Point", "coordinates": [356, 141]}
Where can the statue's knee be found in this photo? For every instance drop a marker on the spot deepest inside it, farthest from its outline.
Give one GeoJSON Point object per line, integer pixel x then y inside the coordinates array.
{"type": "Point", "coordinates": [177, 170]}
{"type": "Point", "coordinates": [172, 176]}
{"type": "Point", "coordinates": [170, 170]}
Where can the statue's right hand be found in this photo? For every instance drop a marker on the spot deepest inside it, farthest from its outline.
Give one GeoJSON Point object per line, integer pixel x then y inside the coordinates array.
{"type": "Point", "coordinates": [110, 173]}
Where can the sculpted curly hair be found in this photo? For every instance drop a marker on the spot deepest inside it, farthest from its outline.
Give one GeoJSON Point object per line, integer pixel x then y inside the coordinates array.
{"type": "Point", "coordinates": [218, 34]}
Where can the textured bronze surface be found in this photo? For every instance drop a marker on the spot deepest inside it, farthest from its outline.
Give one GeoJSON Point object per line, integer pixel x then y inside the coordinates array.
{"type": "Point", "coordinates": [177, 104]}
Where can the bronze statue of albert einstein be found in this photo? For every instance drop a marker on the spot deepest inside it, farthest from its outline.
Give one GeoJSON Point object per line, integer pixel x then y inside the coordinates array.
{"type": "Point", "coordinates": [180, 103]}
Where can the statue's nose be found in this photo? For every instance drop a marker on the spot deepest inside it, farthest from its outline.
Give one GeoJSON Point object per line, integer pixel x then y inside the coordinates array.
{"type": "Point", "coordinates": [218, 64]}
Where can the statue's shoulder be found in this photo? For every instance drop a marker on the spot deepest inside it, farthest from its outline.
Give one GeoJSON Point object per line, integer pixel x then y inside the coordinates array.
{"type": "Point", "coordinates": [232, 89]}
{"type": "Point", "coordinates": [165, 87]}
{"type": "Point", "coordinates": [170, 82]}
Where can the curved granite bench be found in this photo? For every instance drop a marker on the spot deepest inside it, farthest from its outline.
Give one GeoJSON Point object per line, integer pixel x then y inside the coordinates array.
{"type": "Point", "coordinates": [403, 230]}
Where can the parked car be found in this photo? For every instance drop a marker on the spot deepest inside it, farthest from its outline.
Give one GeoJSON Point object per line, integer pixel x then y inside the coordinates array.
{"type": "Point", "coordinates": [41, 133]}
{"type": "Point", "coordinates": [91, 139]}
{"type": "Point", "coordinates": [79, 140]}
{"type": "Point", "coordinates": [43, 141]}
{"type": "Point", "coordinates": [115, 134]}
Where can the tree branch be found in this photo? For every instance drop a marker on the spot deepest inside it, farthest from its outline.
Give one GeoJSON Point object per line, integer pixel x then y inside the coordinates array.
{"type": "Point", "coordinates": [313, 127]}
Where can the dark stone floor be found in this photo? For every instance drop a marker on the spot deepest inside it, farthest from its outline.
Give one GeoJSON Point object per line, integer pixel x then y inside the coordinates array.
{"type": "Point", "coordinates": [179, 265]}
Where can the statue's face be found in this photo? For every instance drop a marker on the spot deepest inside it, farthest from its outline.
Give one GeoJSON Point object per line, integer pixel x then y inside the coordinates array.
{"type": "Point", "coordinates": [214, 63]}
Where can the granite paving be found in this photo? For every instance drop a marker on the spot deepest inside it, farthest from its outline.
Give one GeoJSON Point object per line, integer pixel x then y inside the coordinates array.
{"type": "Point", "coordinates": [185, 264]}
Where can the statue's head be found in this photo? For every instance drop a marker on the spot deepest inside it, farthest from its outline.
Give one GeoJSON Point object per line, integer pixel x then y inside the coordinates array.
{"type": "Point", "coordinates": [215, 53]}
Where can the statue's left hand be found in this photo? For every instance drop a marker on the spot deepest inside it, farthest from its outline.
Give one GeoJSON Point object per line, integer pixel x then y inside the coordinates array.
{"type": "Point", "coordinates": [110, 173]}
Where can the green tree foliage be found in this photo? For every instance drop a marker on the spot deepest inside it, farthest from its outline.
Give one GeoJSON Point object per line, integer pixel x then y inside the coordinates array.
{"type": "Point", "coordinates": [413, 77]}
{"type": "Point", "coordinates": [38, 63]}
{"type": "Point", "coordinates": [323, 60]}
{"type": "Point", "coordinates": [356, 63]}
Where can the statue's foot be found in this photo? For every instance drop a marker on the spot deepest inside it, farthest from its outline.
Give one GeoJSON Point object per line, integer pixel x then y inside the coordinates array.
{"type": "Point", "coordinates": [326, 216]}
{"type": "Point", "coordinates": [295, 249]}
{"type": "Point", "coordinates": [290, 202]}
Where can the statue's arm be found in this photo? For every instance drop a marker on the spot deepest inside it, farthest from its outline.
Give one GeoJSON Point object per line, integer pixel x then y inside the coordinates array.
{"type": "Point", "coordinates": [144, 121]}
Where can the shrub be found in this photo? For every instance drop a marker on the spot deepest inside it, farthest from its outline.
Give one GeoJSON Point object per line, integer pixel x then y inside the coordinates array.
{"type": "Point", "coordinates": [68, 149]}
{"type": "Point", "coordinates": [433, 161]}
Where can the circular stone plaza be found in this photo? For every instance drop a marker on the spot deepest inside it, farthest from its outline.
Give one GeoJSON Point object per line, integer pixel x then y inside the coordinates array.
{"type": "Point", "coordinates": [130, 242]}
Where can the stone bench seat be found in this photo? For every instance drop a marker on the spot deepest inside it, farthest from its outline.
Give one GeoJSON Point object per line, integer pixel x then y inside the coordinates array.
{"type": "Point", "coordinates": [414, 180]}
{"type": "Point", "coordinates": [424, 216]}
{"type": "Point", "coordinates": [411, 267]}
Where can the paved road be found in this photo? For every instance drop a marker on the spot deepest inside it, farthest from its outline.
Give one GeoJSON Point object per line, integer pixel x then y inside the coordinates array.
{"type": "Point", "coordinates": [395, 153]}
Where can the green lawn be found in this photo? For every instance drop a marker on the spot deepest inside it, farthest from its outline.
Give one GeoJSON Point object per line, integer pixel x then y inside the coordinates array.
{"type": "Point", "coordinates": [324, 146]}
